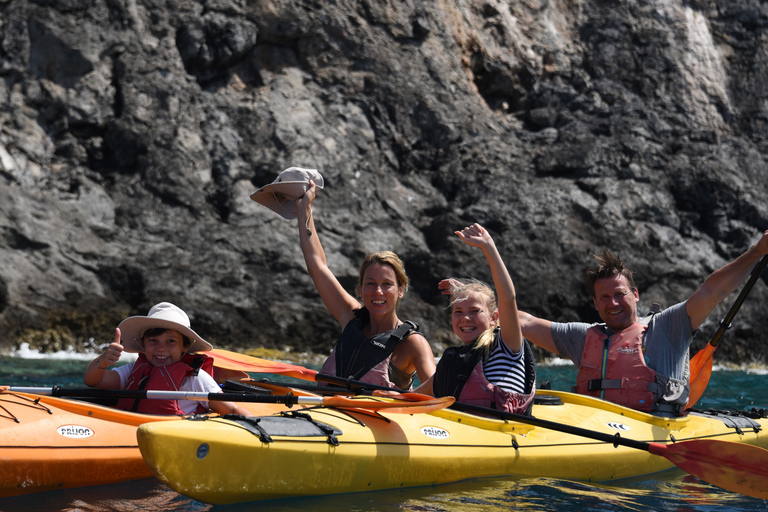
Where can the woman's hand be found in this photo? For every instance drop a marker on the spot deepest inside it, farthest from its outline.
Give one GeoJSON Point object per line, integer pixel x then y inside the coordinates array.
{"type": "Point", "coordinates": [305, 201]}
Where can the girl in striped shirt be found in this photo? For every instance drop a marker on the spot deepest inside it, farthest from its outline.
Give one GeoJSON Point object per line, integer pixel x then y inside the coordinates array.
{"type": "Point", "coordinates": [494, 367]}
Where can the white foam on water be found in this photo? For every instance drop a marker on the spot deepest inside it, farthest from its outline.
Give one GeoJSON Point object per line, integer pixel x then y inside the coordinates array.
{"type": "Point", "coordinates": [556, 361]}
{"type": "Point", "coordinates": [24, 352]}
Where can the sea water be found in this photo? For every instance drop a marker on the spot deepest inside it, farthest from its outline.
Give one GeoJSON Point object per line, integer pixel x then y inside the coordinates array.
{"type": "Point", "coordinates": [671, 490]}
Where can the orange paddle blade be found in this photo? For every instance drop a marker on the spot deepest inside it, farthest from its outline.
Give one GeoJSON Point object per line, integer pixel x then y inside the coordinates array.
{"type": "Point", "coordinates": [246, 363]}
{"type": "Point", "coordinates": [404, 403]}
{"type": "Point", "coordinates": [701, 371]}
{"type": "Point", "coordinates": [393, 406]}
{"type": "Point", "coordinates": [735, 467]}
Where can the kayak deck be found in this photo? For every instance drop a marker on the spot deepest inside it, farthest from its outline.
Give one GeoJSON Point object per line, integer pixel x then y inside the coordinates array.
{"type": "Point", "coordinates": [224, 460]}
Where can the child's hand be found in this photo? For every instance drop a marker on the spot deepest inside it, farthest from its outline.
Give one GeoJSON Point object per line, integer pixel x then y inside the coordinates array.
{"type": "Point", "coordinates": [475, 236]}
{"type": "Point", "coordinates": [113, 352]}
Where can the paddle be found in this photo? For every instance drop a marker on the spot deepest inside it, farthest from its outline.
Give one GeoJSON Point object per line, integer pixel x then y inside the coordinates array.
{"type": "Point", "coordinates": [736, 467]}
{"type": "Point", "coordinates": [701, 363]}
{"type": "Point", "coordinates": [421, 403]}
{"type": "Point", "coordinates": [242, 362]}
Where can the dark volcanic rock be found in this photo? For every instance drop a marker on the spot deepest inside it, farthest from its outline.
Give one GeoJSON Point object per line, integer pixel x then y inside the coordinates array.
{"type": "Point", "coordinates": [132, 133]}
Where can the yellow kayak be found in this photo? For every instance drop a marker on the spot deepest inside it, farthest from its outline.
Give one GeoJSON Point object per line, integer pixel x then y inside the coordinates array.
{"type": "Point", "coordinates": [325, 450]}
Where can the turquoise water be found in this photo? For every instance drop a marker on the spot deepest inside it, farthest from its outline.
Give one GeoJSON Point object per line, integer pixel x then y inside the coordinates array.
{"type": "Point", "coordinates": [671, 490]}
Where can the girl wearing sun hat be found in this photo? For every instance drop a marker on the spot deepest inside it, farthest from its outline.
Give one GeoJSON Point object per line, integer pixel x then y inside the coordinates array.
{"type": "Point", "coordinates": [168, 360]}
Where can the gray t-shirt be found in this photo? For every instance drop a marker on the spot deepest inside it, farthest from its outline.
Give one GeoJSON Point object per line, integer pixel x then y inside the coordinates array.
{"type": "Point", "coordinates": [667, 341]}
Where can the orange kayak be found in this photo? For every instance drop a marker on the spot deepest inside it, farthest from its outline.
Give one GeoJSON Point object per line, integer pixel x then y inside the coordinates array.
{"type": "Point", "coordinates": [49, 443]}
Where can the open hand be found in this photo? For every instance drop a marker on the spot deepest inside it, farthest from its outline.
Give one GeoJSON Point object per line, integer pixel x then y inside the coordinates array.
{"type": "Point", "coordinates": [448, 286]}
{"type": "Point", "coordinates": [475, 236]}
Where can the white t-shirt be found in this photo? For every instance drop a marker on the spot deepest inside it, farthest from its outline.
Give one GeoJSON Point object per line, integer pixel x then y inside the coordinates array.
{"type": "Point", "coordinates": [203, 382]}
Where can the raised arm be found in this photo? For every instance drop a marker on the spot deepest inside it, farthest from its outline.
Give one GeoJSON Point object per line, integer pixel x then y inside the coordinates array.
{"type": "Point", "coordinates": [723, 282]}
{"type": "Point", "coordinates": [477, 236]}
{"type": "Point", "coordinates": [340, 303]}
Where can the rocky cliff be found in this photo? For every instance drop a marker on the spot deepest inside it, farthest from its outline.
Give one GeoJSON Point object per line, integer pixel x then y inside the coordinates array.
{"type": "Point", "coordinates": [133, 131]}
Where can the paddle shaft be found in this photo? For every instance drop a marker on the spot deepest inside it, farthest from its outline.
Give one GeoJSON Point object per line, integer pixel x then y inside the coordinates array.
{"type": "Point", "coordinates": [732, 466]}
{"type": "Point", "coordinates": [415, 404]}
{"type": "Point", "coordinates": [530, 420]}
{"type": "Point", "coordinates": [58, 391]}
{"type": "Point", "coordinates": [725, 324]}
{"type": "Point", "coordinates": [615, 439]}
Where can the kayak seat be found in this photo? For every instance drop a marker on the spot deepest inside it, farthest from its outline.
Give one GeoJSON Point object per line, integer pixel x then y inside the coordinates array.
{"type": "Point", "coordinates": [293, 424]}
{"type": "Point", "coordinates": [547, 400]}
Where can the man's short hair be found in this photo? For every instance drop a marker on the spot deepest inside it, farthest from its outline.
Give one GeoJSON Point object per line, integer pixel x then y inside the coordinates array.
{"type": "Point", "coordinates": [607, 265]}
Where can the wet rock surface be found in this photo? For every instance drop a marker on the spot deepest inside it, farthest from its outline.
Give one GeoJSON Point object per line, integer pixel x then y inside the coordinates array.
{"type": "Point", "coordinates": [132, 134]}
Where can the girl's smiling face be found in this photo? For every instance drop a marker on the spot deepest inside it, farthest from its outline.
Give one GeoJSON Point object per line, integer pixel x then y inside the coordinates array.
{"type": "Point", "coordinates": [164, 348]}
{"type": "Point", "coordinates": [471, 317]}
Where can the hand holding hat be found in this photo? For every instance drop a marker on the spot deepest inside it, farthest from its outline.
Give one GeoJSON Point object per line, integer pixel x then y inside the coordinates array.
{"type": "Point", "coordinates": [280, 196]}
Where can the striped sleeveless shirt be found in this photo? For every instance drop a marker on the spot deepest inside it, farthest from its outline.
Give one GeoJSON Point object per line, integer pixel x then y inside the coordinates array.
{"type": "Point", "coordinates": [505, 368]}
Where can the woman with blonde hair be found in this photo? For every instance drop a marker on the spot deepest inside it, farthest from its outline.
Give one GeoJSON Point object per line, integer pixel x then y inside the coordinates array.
{"type": "Point", "coordinates": [495, 366]}
{"type": "Point", "coordinates": [375, 345]}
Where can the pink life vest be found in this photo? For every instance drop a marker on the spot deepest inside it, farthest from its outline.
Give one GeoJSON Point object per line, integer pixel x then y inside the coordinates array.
{"type": "Point", "coordinates": [460, 372]}
{"type": "Point", "coordinates": [479, 391]}
{"type": "Point", "coordinates": [162, 378]}
{"type": "Point", "coordinates": [367, 359]}
{"type": "Point", "coordinates": [614, 369]}
{"type": "Point", "coordinates": [378, 375]}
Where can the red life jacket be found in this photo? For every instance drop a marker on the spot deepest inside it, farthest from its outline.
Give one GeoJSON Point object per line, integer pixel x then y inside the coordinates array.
{"type": "Point", "coordinates": [162, 378]}
{"type": "Point", "coordinates": [614, 369]}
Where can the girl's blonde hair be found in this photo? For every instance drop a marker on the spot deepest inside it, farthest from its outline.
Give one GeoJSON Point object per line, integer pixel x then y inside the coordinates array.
{"type": "Point", "coordinates": [383, 258]}
{"type": "Point", "coordinates": [462, 292]}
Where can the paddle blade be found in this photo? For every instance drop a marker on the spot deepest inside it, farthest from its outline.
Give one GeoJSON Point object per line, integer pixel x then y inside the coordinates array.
{"type": "Point", "coordinates": [395, 406]}
{"type": "Point", "coordinates": [701, 371]}
{"type": "Point", "coordinates": [246, 363]}
{"type": "Point", "coordinates": [736, 467]}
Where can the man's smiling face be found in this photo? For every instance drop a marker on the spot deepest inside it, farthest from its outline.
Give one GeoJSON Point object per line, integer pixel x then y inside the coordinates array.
{"type": "Point", "coordinates": [616, 302]}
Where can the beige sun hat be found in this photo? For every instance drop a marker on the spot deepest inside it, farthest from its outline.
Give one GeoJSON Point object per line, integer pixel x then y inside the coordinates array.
{"type": "Point", "coordinates": [164, 315]}
{"type": "Point", "coordinates": [280, 196]}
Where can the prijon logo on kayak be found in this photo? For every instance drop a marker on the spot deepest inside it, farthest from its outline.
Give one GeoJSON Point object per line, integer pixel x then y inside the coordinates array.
{"type": "Point", "coordinates": [435, 432]}
{"type": "Point", "coordinates": [74, 431]}
{"type": "Point", "coordinates": [618, 426]}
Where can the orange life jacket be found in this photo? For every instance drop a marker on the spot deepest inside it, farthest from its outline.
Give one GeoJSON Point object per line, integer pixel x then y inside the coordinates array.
{"type": "Point", "coordinates": [613, 368]}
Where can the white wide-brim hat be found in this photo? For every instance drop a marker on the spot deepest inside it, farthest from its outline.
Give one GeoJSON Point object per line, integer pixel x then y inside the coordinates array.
{"type": "Point", "coordinates": [280, 196]}
{"type": "Point", "coordinates": [164, 315]}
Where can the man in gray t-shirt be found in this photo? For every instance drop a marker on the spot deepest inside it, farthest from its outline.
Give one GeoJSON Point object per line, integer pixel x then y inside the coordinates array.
{"type": "Point", "coordinates": [669, 333]}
